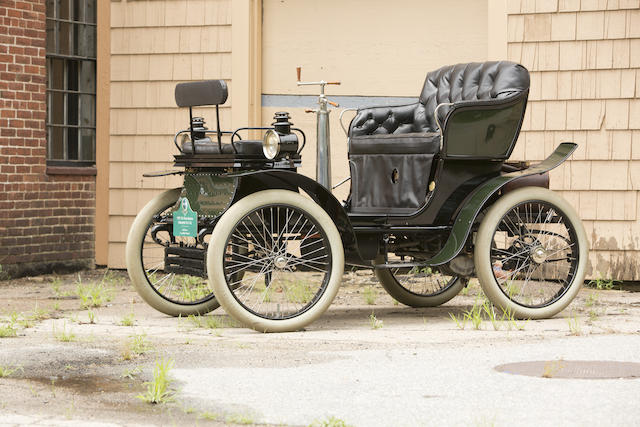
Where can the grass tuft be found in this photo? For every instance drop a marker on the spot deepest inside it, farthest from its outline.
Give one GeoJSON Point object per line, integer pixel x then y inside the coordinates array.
{"type": "Point", "coordinates": [574, 325]}
{"type": "Point", "coordinates": [239, 419]}
{"type": "Point", "coordinates": [330, 422]}
{"type": "Point", "coordinates": [64, 335]}
{"type": "Point", "coordinates": [370, 295]}
{"type": "Point", "coordinates": [375, 322]}
{"type": "Point", "coordinates": [7, 371]}
{"type": "Point", "coordinates": [159, 389]}
{"type": "Point", "coordinates": [136, 346]}
{"type": "Point", "coordinates": [602, 283]}
{"type": "Point", "coordinates": [94, 295]}
{"type": "Point", "coordinates": [211, 416]}
{"type": "Point", "coordinates": [128, 319]}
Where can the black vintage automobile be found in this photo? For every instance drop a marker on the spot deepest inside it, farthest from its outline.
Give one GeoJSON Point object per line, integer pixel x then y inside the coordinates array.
{"type": "Point", "coordinates": [433, 202]}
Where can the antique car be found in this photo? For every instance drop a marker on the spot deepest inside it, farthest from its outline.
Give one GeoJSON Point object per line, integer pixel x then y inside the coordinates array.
{"type": "Point", "coordinates": [433, 202]}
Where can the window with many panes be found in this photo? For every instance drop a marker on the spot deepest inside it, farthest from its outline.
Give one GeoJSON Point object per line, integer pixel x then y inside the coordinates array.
{"type": "Point", "coordinates": [71, 82]}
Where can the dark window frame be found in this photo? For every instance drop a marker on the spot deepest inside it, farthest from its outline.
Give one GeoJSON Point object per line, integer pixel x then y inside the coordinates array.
{"type": "Point", "coordinates": [71, 82]}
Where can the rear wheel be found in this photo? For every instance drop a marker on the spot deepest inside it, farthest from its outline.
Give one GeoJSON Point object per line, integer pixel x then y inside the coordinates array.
{"type": "Point", "coordinates": [531, 253]}
{"type": "Point", "coordinates": [419, 286]}
{"type": "Point", "coordinates": [293, 265]}
{"type": "Point", "coordinates": [150, 237]}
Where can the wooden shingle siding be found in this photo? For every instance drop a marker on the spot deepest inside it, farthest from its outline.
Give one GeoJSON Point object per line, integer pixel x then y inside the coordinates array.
{"type": "Point", "coordinates": [584, 59]}
{"type": "Point", "coordinates": [154, 45]}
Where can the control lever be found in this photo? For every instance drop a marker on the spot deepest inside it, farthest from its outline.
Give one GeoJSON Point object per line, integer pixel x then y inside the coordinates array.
{"type": "Point", "coordinates": [323, 156]}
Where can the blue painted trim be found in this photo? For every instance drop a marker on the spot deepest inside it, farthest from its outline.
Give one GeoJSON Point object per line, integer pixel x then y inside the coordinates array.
{"type": "Point", "coordinates": [345, 101]}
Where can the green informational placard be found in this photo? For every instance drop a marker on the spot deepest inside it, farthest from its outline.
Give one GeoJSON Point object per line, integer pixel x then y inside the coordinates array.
{"type": "Point", "coordinates": [185, 221]}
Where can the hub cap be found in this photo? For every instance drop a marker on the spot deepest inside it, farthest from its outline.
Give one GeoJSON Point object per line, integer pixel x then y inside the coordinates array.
{"type": "Point", "coordinates": [538, 254]}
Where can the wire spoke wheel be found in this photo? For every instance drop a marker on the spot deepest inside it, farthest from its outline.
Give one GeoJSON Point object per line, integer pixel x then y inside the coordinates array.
{"type": "Point", "coordinates": [418, 286]}
{"type": "Point", "coordinates": [535, 253]}
{"type": "Point", "coordinates": [279, 283]}
{"type": "Point", "coordinates": [290, 266]}
{"type": "Point", "coordinates": [159, 248]}
{"type": "Point", "coordinates": [166, 270]}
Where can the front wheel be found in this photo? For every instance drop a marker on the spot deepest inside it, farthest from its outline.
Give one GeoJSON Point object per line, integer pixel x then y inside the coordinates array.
{"type": "Point", "coordinates": [531, 253]}
{"type": "Point", "coordinates": [293, 263]}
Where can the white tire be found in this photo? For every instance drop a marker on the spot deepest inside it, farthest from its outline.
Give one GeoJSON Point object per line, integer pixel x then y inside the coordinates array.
{"type": "Point", "coordinates": [531, 253]}
{"type": "Point", "coordinates": [282, 289]}
{"type": "Point", "coordinates": [169, 293]}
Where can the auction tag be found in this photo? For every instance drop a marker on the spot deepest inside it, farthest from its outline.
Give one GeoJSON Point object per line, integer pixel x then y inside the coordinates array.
{"type": "Point", "coordinates": [185, 221]}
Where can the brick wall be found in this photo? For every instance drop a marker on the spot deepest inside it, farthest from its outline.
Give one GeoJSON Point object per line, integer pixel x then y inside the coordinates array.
{"type": "Point", "coordinates": [584, 59]}
{"type": "Point", "coordinates": [46, 216]}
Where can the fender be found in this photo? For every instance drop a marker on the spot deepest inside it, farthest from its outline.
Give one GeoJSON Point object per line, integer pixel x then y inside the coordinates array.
{"type": "Point", "coordinates": [479, 197]}
{"type": "Point", "coordinates": [279, 178]}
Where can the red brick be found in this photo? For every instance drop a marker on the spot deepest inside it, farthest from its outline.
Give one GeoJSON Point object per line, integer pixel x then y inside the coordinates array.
{"type": "Point", "coordinates": [45, 219]}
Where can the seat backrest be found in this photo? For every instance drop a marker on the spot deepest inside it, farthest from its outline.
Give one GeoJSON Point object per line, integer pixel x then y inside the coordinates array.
{"type": "Point", "coordinates": [207, 92]}
{"type": "Point", "coordinates": [475, 81]}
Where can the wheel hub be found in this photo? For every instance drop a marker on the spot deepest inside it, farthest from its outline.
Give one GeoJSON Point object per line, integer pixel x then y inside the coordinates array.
{"type": "Point", "coordinates": [538, 254]}
{"type": "Point", "coordinates": [280, 262]}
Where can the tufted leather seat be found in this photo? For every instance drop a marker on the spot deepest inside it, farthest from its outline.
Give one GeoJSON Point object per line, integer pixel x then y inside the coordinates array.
{"type": "Point", "coordinates": [476, 81]}
{"type": "Point", "coordinates": [391, 149]}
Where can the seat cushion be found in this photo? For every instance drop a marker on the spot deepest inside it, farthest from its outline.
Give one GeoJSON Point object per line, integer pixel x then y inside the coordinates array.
{"type": "Point", "coordinates": [246, 147]}
{"type": "Point", "coordinates": [404, 143]}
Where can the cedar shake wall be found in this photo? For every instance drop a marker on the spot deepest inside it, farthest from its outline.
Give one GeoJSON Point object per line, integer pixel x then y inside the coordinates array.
{"type": "Point", "coordinates": [584, 59]}
{"type": "Point", "coordinates": [46, 215]}
{"type": "Point", "coordinates": [154, 45]}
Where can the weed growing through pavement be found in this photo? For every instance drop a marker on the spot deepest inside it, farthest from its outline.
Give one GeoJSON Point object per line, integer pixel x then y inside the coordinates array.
{"type": "Point", "coordinates": [374, 321]}
{"type": "Point", "coordinates": [298, 291]}
{"type": "Point", "coordinates": [211, 416]}
{"type": "Point", "coordinates": [206, 322]}
{"type": "Point", "coordinates": [482, 309]}
{"type": "Point", "coordinates": [475, 314]}
{"type": "Point", "coordinates": [93, 294]}
{"type": "Point", "coordinates": [330, 422]}
{"type": "Point", "coordinates": [159, 389]}
{"type": "Point", "coordinates": [39, 314]}
{"type": "Point", "coordinates": [7, 371]}
{"type": "Point", "coordinates": [64, 335]}
{"type": "Point", "coordinates": [551, 368]}
{"type": "Point", "coordinates": [136, 346]}
{"type": "Point", "coordinates": [9, 330]}
{"type": "Point", "coordinates": [91, 315]}
{"type": "Point", "coordinates": [369, 294]}
{"type": "Point", "coordinates": [20, 319]}
{"type": "Point", "coordinates": [131, 373]}
{"type": "Point", "coordinates": [574, 325]}
{"type": "Point", "coordinates": [128, 319]}
{"type": "Point", "coordinates": [57, 292]}
{"type": "Point", "coordinates": [460, 322]}
{"type": "Point", "coordinates": [602, 283]}
{"type": "Point", "coordinates": [239, 419]}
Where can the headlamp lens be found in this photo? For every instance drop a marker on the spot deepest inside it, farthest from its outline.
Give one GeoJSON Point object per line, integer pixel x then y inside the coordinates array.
{"type": "Point", "coordinates": [271, 144]}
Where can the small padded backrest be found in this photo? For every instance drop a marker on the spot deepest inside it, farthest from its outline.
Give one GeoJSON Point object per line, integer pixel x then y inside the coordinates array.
{"type": "Point", "coordinates": [207, 92]}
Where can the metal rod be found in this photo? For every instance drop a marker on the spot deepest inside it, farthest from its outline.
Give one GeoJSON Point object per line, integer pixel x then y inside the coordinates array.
{"type": "Point", "coordinates": [218, 127]}
{"type": "Point", "coordinates": [193, 143]}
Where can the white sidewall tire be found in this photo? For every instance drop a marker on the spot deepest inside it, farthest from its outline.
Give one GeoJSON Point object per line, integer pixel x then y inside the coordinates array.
{"type": "Point", "coordinates": [217, 249]}
{"type": "Point", "coordinates": [133, 254]}
{"type": "Point", "coordinates": [403, 296]}
{"type": "Point", "coordinates": [484, 239]}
